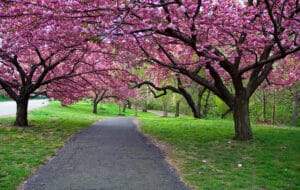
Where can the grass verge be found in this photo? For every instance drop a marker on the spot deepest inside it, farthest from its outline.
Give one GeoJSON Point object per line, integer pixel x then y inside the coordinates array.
{"type": "Point", "coordinates": [24, 149]}
{"type": "Point", "coordinates": [208, 158]}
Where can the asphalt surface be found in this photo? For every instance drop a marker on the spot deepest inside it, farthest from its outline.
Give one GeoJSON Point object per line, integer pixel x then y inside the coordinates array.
{"type": "Point", "coordinates": [111, 154]}
{"type": "Point", "coordinates": [161, 113]}
{"type": "Point", "coordinates": [10, 108]}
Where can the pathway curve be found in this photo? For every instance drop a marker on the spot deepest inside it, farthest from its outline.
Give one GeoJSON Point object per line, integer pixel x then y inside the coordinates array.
{"type": "Point", "coordinates": [161, 113]}
{"type": "Point", "coordinates": [111, 154]}
{"type": "Point", "coordinates": [9, 108]}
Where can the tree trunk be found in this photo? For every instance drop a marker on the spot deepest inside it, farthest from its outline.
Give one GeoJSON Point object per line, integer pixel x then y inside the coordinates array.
{"type": "Point", "coordinates": [274, 107]}
{"type": "Point", "coordinates": [191, 103]}
{"type": "Point", "coordinates": [124, 106]}
{"type": "Point", "coordinates": [129, 104]}
{"type": "Point", "coordinates": [295, 107]}
{"type": "Point", "coordinates": [95, 102]}
{"type": "Point", "coordinates": [241, 119]}
{"type": "Point", "coordinates": [177, 109]}
{"type": "Point", "coordinates": [225, 113]}
{"type": "Point", "coordinates": [193, 107]}
{"type": "Point", "coordinates": [256, 111]}
{"type": "Point", "coordinates": [22, 114]}
{"type": "Point", "coordinates": [189, 99]}
{"type": "Point", "coordinates": [264, 106]}
{"type": "Point", "coordinates": [145, 107]}
{"type": "Point", "coordinates": [120, 113]}
{"type": "Point", "coordinates": [136, 110]}
{"type": "Point", "coordinates": [165, 109]}
{"type": "Point", "coordinates": [196, 112]}
{"type": "Point", "coordinates": [199, 101]}
{"type": "Point", "coordinates": [95, 106]}
{"type": "Point", "coordinates": [205, 110]}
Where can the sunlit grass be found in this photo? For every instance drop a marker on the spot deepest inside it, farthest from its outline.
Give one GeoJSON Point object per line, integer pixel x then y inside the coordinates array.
{"type": "Point", "coordinates": [209, 159]}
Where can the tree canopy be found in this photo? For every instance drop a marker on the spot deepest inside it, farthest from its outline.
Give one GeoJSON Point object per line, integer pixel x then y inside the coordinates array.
{"type": "Point", "coordinates": [221, 45]}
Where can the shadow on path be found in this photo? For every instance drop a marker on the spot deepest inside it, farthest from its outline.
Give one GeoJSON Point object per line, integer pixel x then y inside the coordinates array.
{"type": "Point", "coordinates": [111, 154]}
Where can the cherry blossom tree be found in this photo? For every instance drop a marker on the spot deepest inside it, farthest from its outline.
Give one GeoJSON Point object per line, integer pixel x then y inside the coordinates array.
{"type": "Point", "coordinates": [120, 94]}
{"type": "Point", "coordinates": [109, 81]}
{"type": "Point", "coordinates": [43, 42]}
{"type": "Point", "coordinates": [236, 43]}
{"type": "Point", "coordinates": [221, 45]}
{"type": "Point", "coordinates": [31, 68]}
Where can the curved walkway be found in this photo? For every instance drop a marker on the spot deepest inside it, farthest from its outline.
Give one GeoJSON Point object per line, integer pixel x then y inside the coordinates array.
{"type": "Point", "coordinates": [111, 154]}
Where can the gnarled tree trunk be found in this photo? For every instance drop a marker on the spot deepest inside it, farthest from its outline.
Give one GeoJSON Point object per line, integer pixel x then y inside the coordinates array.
{"type": "Point", "coordinates": [241, 117]}
{"type": "Point", "coordinates": [189, 99]}
{"type": "Point", "coordinates": [195, 110]}
{"type": "Point", "coordinates": [22, 111]}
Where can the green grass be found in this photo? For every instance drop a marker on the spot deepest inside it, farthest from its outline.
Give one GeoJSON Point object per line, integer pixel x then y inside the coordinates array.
{"type": "Point", "coordinates": [202, 149]}
{"type": "Point", "coordinates": [208, 158]}
{"type": "Point", "coordinates": [24, 149]}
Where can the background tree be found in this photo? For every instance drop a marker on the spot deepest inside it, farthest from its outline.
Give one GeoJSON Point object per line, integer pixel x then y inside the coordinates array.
{"type": "Point", "coordinates": [296, 99]}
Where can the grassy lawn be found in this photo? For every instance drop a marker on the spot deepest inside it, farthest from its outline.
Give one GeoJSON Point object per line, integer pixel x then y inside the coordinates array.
{"type": "Point", "coordinates": [202, 149]}
{"type": "Point", "coordinates": [209, 159]}
{"type": "Point", "coordinates": [24, 149]}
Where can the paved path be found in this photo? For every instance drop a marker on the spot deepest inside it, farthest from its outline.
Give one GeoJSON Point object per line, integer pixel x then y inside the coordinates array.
{"type": "Point", "coordinates": [111, 154]}
{"type": "Point", "coordinates": [161, 113]}
{"type": "Point", "coordinates": [9, 108]}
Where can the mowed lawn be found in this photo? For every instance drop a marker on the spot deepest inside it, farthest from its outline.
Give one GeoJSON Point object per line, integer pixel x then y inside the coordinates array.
{"type": "Point", "coordinates": [202, 149]}
{"type": "Point", "coordinates": [208, 158]}
{"type": "Point", "coordinates": [24, 149]}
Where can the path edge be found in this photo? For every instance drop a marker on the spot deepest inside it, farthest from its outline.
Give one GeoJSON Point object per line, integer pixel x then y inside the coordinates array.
{"type": "Point", "coordinates": [21, 186]}
{"type": "Point", "coordinates": [165, 149]}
